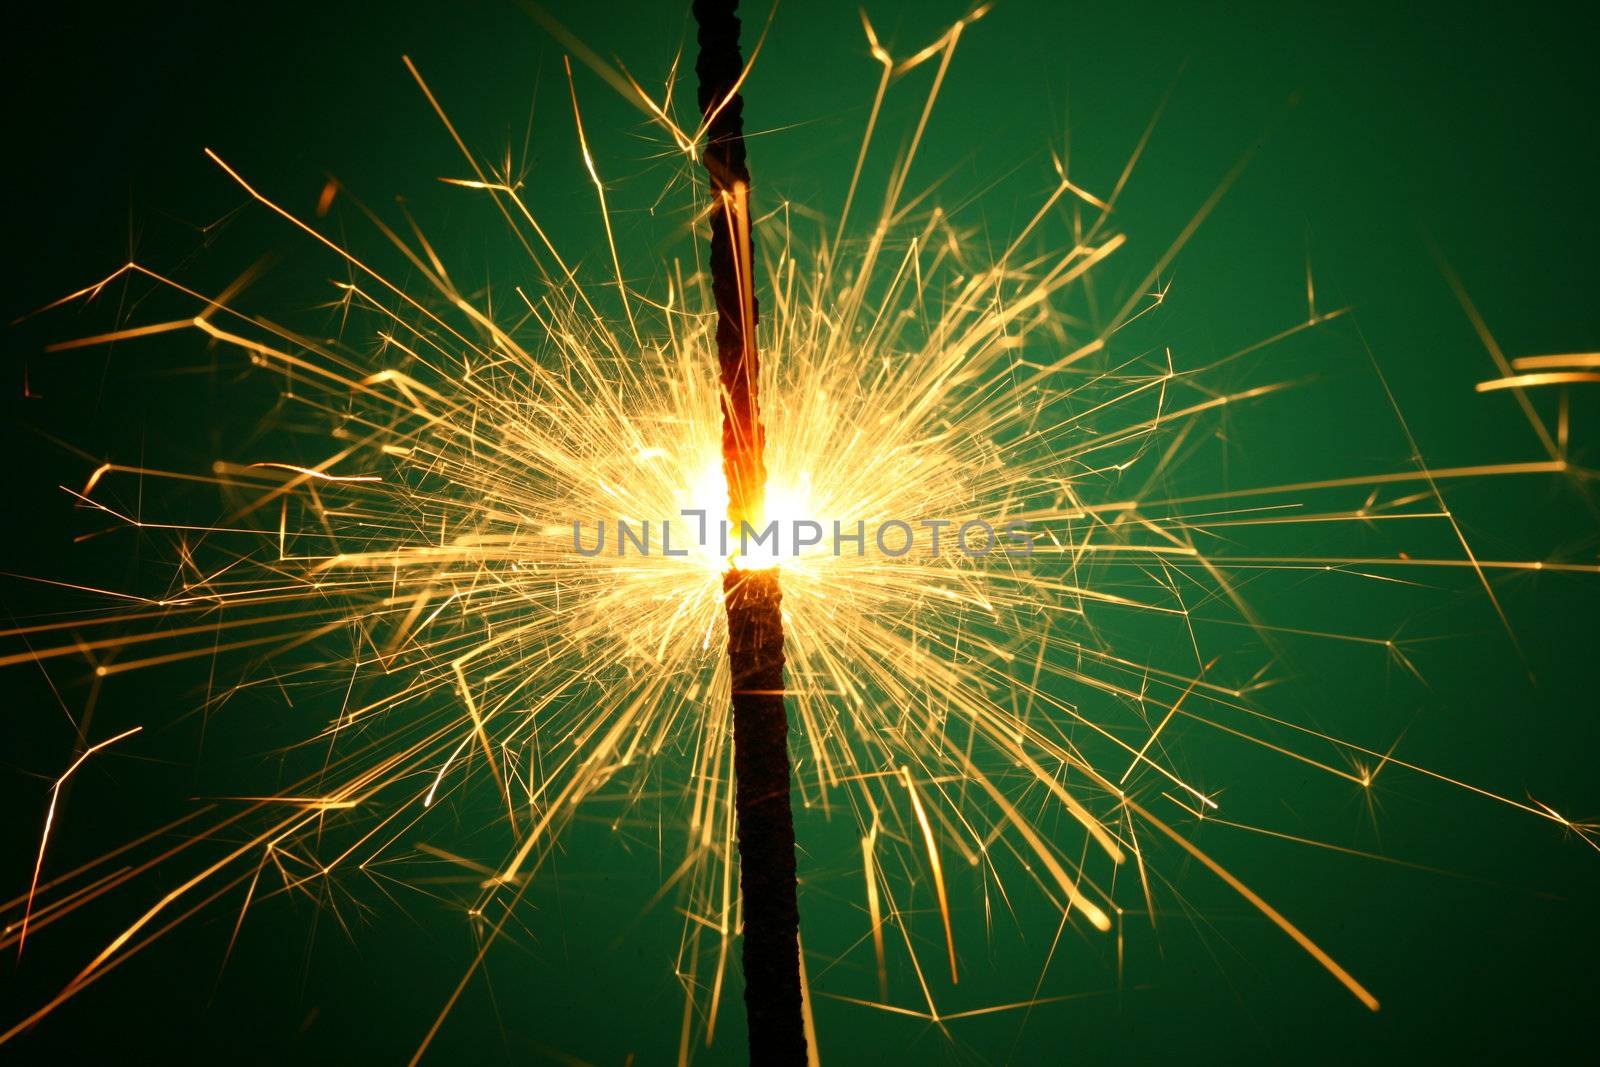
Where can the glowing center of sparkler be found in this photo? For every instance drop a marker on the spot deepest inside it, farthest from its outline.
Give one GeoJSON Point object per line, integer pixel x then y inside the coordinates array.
{"type": "Point", "coordinates": [717, 546]}
{"type": "Point", "coordinates": [790, 504]}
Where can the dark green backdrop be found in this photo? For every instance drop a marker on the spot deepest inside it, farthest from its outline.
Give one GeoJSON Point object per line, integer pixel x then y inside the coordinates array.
{"type": "Point", "coordinates": [1461, 129]}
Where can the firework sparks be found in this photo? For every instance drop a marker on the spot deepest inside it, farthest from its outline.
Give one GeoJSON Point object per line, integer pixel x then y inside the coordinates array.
{"type": "Point", "coordinates": [960, 710]}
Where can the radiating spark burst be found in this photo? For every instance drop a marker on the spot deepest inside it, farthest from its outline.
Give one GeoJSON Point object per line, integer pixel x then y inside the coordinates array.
{"type": "Point", "coordinates": [963, 712]}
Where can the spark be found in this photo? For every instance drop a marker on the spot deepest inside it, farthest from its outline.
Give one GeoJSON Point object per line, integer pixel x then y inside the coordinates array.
{"type": "Point", "coordinates": [1537, 378]}
{"type": "Point", "coordinates": [49, 820]}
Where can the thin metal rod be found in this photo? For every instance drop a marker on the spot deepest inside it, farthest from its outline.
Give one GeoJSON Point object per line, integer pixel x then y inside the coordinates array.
{"type": "Point", "coordinates": [767, 880]}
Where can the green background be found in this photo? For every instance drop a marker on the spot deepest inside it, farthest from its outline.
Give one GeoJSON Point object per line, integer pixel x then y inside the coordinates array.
{"type": "Point", "coordinates": [1460, 131]}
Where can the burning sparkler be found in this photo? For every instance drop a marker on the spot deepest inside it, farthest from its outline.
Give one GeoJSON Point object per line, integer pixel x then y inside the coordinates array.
{"type": "Point", "coordinates": [755, 621]}
{"type": "Point", "coordinates": [963, 712]}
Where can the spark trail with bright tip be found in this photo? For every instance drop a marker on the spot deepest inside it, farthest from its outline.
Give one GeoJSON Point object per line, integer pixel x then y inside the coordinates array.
{"type": "Point", "coordinates": [976, 720]}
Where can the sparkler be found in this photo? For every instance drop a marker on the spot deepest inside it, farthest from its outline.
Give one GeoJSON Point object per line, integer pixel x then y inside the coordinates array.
{"type": "Point", "coordinates": [771, 951]}
{"type": "Point", "coordinates": [966, 716]}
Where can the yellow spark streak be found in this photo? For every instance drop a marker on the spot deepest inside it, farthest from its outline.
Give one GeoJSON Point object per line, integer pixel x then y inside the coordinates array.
{"type": "Point", "coordinates": [813, 1053]}
{"type": "Point", "coordinates": [1575, 360]}
{"type": "Point", "coordinates": [1356, 989]}
{"type": "Point", "coordinates": [1097, 918]}
{"type": "Point", "coordinates": [1139, 757]}
{"type": "Point", "coordinates": [935, 866]}
{"type": "Point", "coordinates": [874, 908]}
{"type": "Point", "coordinates": [883, 57]}
{"type": "Point", "coordinates": [1524, 381]}
{"type": "Point", "coordinates": [600, 192]}
{"type": "Point", "coordinates": [319, 475]}
{"type": "Point", "coordinates": [1492, 347]}
{"type": "Point", "coordinates": [49, 820]}
{"type": "Point", "coordinates": [120, 335]}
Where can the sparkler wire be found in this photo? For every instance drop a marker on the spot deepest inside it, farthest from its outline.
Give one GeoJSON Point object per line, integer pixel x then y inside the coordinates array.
{"type": "Point", "coordinates": [767, 879]}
